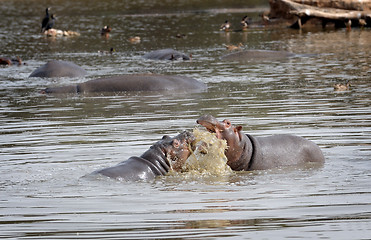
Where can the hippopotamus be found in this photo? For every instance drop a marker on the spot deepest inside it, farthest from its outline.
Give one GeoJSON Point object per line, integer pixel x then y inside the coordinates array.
{"type": "Point", "coordinates": [246, 152]}
{"type": "Point", "coordinates": [166, 54]}
{"type": "Point", "coordinates": [132, 82]}
{"type": "Point", "coordinates": [55, 68]}
{"type": "Point", "coordinates": [10, 61]}
{"type": "Point", "coordinates": [168, 153]}
{"type": "Point", "coordinates": [248, 55]}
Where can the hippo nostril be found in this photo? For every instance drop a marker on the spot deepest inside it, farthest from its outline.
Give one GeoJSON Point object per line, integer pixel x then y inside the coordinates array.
{"type": "Point", "coordinates": [210, 130]}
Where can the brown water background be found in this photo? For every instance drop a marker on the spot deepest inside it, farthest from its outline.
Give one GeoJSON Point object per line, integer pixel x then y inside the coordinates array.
{"type": "Point", "coordinates": [47, 144]}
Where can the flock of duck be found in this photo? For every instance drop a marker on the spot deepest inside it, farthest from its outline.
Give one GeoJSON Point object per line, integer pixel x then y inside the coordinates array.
{"type": "Point", "coordinates": [48, 23]}
{"type": "Point", "coordinates": [244, 23]}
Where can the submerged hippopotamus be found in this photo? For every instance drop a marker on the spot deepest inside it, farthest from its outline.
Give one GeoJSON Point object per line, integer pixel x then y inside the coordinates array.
{"type": "Point", "coordinates": [55, 68]}
{"type": "Point", "coordinates": [10, 61]}
{"type": "Point", "coordinates": [166, 54]}
{"type": "Point", "coordinates": [248, 55]}
{"type": "Point", "coordinates": [133, 82]}
{"type": "Point", "coordinates": [246, 152]}
{"type": "Point", "coordinates": [168, 153]}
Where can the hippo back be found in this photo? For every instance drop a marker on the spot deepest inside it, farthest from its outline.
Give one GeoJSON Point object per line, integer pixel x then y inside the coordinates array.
{"type": "Point", "coordinates": [155, 161]}
{"type": "Point", "coordinates": [141, 82]}
{"type": "Point", "coordinates": [166, 54]}
{"type": "Point", "coordinates": [133, 169]}
{"type": "Point", "coordinates": [283, 150]}
{"type": "Point", "coordinates": [56, 68]}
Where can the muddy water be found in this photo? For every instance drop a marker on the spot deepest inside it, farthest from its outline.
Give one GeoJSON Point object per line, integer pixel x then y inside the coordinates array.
{"type": "Point", "coordinates": [49, 143]}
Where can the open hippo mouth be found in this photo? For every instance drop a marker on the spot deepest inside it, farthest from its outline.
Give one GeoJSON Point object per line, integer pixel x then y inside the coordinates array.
{"type": "Point", "coordinates": [211, 124]}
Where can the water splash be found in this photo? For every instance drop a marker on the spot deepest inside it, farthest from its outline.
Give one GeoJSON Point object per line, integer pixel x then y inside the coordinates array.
{"type": "Point", "coordinates": [209, 157]}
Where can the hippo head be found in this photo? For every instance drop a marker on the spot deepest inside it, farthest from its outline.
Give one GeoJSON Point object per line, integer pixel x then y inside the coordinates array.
{"type": "Point", "coordinates": [178, 148]}
{"type": "Point", "coordinates": [236, 140]}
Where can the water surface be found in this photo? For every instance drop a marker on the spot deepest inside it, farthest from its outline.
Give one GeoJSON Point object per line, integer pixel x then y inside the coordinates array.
{"type": "Point", "coordinates": [49, 143]}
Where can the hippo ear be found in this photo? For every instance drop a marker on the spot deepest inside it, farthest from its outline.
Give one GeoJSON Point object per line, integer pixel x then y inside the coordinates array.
{"type": "Point", "coordinates": [227, 123]}
{"type": "Point", "coordinates": [165, 137]}
{"type": "Point", "coordinates": [239, 128]}
{"type": "Point", "coordinates": [176, 143]}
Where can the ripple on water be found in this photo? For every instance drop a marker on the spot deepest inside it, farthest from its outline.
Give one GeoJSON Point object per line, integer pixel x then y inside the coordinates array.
{"type": "Point", "coordinates": [48, 143]}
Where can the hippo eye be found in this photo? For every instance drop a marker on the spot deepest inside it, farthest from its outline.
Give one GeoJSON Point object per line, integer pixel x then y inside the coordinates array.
{"type": "Point", "coordinates": [227, 122]}
{"type": "Point", "coordinates": [176, 143]}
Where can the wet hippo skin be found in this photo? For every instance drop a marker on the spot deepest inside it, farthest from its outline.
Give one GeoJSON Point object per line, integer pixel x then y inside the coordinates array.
{"type": "Point", "coordinates": [168, 153]}
{"type": "Point", "coordinates": [57, 68]}
{"type": "Point", "coordinates": [246, 152]}
{"type": "Point", "coordinates": [133, 82]}
{"type": "Point", "coordinates": [166, 54]}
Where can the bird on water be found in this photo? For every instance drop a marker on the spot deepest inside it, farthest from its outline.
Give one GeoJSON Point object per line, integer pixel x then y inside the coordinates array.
{"type": "Point", "coordinates": [50, 24]}
{"type": "Point", "coordinates": [45, 20]}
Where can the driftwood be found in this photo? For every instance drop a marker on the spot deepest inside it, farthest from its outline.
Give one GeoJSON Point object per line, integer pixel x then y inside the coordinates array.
{"type": "Point", "coordinates": [58, 33]}
{"type": "Point", "coordinates": [343, 13]}
{"type": "Point", "coordinates": [360, 5]}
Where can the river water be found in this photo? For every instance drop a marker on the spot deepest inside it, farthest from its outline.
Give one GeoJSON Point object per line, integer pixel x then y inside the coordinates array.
{"type": "Point", "coordinates": [48, 143]}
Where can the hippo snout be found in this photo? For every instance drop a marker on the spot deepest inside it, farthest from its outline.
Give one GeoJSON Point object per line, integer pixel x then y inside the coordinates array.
{"type": "Point", "coordinates": [209, 122]}
{"type": "Point", "coordinates": [190, 139]}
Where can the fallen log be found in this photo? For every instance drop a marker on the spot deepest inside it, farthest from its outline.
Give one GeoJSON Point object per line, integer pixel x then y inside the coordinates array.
{"type": "Point", "coordinates": [358, 5]}
{"type": "Point", "coordinates": [340, 17]}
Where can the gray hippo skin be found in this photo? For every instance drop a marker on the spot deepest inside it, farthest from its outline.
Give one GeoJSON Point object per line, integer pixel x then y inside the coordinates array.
{"type": "Point", "coordinates": [168, 153]}
{"type": "Point", "coordinates": [57, 68]}
{"type": "Point", "coordinates": [132, 82]}
{"type": "Point", "coordinates": [255, 55]}
{"type": "Point", "coordinates": [166, 54]}
{"type": "Point", "coordinates": [246, 152]}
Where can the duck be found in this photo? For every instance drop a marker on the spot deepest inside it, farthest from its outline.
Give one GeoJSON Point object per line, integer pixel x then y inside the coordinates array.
{"type": "Point", "coordinates": [244, 23]}
{"type": "Point", "coordinates": [105, 30]}
{"type": "Point", "coordinates": [225, 26]}
{"type": "Point", "coordinates": [181, 35]}
{"type": "Point", "coordinates": [265, 17]}
{"type": "Point", "coordinates": [342, 86]}
{"type": "Point", "coordinates": [135, 39]}
{"type": "Point", "coordinates": [362, 23]}
{"type": "Point", "coordinates": [348, 24]}
{"type": "Point", "coordinates": [233, 47]}
{"type": "Point", "coordinates": [45, 20]}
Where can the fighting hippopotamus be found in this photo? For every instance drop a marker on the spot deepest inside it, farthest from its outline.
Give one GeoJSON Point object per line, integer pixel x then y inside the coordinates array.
{"type": "Point", "coordinates": [132, 82]}
{"type": "Point", "coordinates": [166, 54]}
{"type": "Point", "coordinates": [255, 55]}
{"type": "Point", "coordinates": [57, 68]}
{"type": "Point", "coordinates": [246, 152]}
{"type": "Point", "coordinates": [168, 153]}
